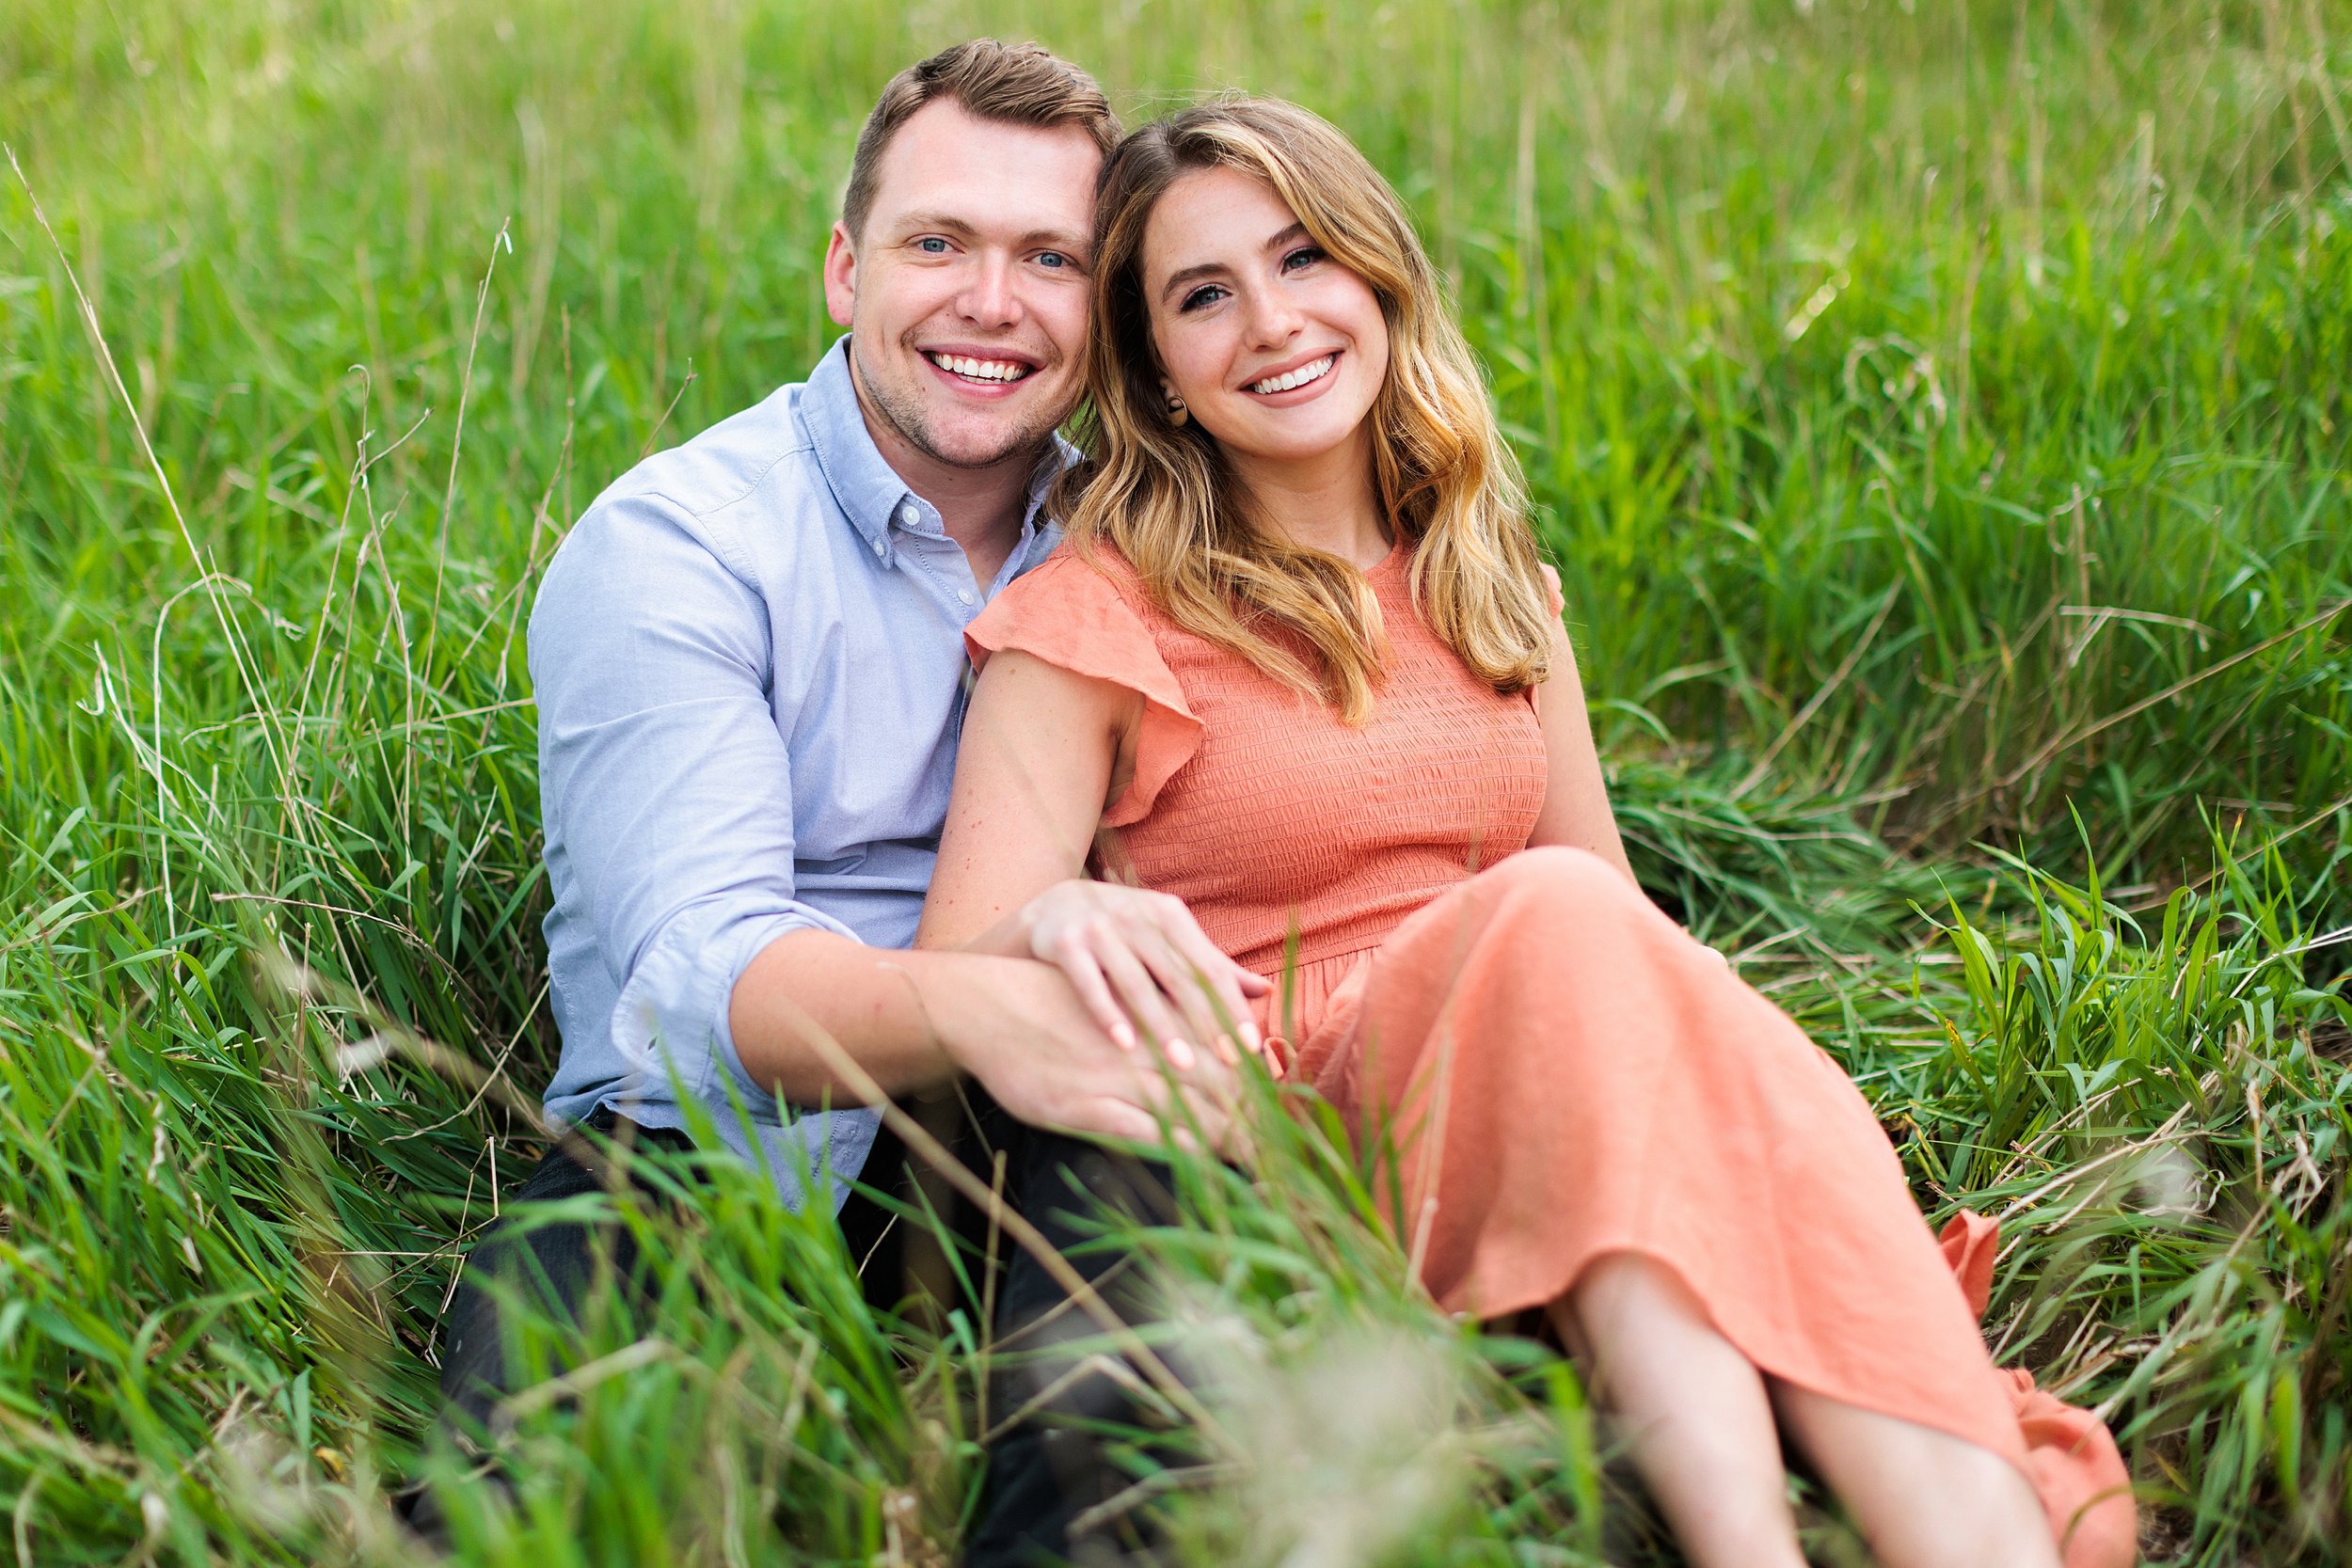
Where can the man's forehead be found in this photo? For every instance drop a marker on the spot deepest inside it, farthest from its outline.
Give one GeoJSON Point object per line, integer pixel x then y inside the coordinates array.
{"type": "Point", "coordinates": [947, 164]}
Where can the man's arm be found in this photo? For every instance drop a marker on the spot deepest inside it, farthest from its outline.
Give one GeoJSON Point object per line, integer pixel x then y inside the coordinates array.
{"type": "Point", "coordinates": [668, 794]}
{"type": "Point", "coordinates": [909, 1019]}
{"type": "Point", "coordinates": [1036, 756]}
{"type": "Point", "coordinates": [667, 785]}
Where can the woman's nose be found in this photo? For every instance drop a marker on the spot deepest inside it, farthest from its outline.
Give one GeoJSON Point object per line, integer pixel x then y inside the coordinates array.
{"type": "Point", "coordinates": [1273, 320]}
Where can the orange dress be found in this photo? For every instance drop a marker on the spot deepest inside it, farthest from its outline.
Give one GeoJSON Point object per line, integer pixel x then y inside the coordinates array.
{"type": "Point", "coordinates": [1567, 1072]}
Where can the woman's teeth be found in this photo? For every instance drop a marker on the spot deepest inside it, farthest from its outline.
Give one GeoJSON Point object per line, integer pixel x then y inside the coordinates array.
{"type": "Point", "coordinates": [1312, 370]}
{"type": "Point", "coordinates": [980, 369]}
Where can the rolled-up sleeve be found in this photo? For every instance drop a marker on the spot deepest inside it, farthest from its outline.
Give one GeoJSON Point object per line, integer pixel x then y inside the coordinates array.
{"type": "Point", "coordinates": [665, 780]}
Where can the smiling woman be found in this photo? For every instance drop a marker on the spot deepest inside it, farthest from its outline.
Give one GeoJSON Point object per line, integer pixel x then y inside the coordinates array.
{"type": "Point", "coordinates": [1306, 675]}
{"type": "Point", "coordinates": [1250, 331]}
{"type": "Point", "coordinates": [1238, 248]}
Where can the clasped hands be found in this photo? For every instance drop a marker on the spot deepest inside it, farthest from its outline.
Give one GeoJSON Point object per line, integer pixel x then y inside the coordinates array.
{"type": "Point", "coordinates": [1145, 970]}
{"type": "Point", "coordinates": [1151, 979]}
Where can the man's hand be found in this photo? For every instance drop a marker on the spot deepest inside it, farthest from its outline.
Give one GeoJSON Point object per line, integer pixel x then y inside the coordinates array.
{"type": "Point", "coordinates": [1020, 1028]}
{"type": "Point", "coordinates": [913, 1019]}
{"type": "Point", "coordinates": [1139, 958]}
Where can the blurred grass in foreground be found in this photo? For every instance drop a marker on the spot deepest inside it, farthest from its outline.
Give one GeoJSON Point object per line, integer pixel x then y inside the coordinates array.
{"type": "Point", "coordinates": [1940, 420]}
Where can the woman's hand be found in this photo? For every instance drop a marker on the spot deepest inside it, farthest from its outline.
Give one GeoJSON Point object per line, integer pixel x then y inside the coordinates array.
{"type": "Point", "coordinates": [1139, 959]}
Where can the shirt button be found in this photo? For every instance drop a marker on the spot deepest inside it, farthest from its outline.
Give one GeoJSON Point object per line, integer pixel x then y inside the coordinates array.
{"type": "Point", "coordinates": [879, 548]}
{"type": "Point", "coordinates": [965, 594]}
{"type": "Point", "coordinates": [908, 515]}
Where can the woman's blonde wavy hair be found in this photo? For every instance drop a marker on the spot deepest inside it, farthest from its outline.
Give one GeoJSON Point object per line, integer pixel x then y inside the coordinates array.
{"type": "Point", "coordinates": [1163, 496]}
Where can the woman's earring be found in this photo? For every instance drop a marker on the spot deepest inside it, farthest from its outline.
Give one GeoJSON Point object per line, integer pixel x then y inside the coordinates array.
{"type": "Point", "coordinates": [1177, 412]}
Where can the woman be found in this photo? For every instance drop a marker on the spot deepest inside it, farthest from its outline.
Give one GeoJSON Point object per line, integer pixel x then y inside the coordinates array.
{"type": "Point", "coordinates": [1299, 666]}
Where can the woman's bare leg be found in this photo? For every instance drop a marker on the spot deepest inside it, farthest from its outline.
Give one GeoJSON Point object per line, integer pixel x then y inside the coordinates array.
{"type": "Point", "coordinates": [1695, 1409]}
{"type": "Point", "coordinates": [1923, 1499]}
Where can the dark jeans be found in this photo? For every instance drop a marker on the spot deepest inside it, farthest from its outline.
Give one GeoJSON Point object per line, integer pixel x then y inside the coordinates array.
{"type": "Point", "coordinates": [1053, 1468]}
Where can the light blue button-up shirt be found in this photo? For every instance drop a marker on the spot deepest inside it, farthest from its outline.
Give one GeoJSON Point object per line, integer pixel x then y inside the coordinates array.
{"type": "Point", "coordinates": [749, 660]}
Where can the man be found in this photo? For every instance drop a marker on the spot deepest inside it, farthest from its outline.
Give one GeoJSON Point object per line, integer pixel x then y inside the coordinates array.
{"type": "Point", "coordinates": [748, 661]}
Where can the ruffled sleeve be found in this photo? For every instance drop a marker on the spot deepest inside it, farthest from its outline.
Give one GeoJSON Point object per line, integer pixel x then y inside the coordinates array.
{"type": "Point", "coordinates": [1071, 614]}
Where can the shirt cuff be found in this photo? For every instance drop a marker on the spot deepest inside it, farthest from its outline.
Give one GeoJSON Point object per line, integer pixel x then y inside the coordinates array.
{"type": "Point", "coordinates": [672, 1014]}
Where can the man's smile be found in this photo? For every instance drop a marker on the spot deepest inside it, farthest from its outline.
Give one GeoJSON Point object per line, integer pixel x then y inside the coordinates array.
{"type": "Point", "coordinates": [983, 369]}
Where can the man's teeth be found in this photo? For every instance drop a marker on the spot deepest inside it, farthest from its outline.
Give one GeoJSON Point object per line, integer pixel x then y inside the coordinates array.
{"type": "Point", "coordinates": [1312, 370]}
{"type": "Point", "coordinates": [981, 370]}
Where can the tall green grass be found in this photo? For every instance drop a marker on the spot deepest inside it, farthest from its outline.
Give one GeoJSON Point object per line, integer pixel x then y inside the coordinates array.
{"type": "Point", "coordinates": [1939, 418]}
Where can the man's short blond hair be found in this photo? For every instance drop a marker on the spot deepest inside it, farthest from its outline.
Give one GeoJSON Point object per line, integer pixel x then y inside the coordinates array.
{"type": "Point", "coordinates": [1017, 84]}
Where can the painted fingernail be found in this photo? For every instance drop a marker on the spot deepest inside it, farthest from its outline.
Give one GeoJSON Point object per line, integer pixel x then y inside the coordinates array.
{"type": "Point", "coordinates": [1180, 1055]}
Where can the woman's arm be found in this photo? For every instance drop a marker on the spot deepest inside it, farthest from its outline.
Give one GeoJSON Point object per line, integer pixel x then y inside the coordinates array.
{"type": "Point", "coordinates": [1576, 802]}
{"type": "Point", "coordinates": [1033, 774]}
{"type": "Point", "coordinates": [1044, 752]}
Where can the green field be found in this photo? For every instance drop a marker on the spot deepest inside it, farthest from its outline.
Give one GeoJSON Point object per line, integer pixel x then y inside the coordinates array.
{"type": "Point", "coordinates": [1938, 414]}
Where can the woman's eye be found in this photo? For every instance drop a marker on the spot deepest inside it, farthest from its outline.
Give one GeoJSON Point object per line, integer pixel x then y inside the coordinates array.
{"type": "Point", "coordinates": [1053, 259]}
{"type": "Point", "coordinates": [1208, 293]}
{"type": "Point", "coordinates": [1305, 256]}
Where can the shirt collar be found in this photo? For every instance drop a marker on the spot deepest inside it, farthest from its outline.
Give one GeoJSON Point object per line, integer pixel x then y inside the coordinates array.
{"type": "Point", "coordinates": [866, 488]}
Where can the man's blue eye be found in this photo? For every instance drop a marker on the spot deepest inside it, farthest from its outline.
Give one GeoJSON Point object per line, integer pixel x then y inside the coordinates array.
{"type": "Point", "coordinates": [1051, 259]}
{"type": "Point", "coordinates": [931, 245]}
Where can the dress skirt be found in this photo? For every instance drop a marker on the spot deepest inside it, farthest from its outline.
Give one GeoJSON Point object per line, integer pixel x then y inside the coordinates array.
{"type": "Point", "coordinates": [1566, 1073]}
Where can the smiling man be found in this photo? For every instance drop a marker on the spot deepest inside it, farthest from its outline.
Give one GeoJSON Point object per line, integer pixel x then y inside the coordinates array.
{"type": "Point", "coordinates": [748, 663]}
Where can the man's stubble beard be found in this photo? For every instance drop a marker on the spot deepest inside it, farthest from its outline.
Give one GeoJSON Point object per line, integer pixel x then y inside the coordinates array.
{"type": "Point", "coordinates": [905, 412]}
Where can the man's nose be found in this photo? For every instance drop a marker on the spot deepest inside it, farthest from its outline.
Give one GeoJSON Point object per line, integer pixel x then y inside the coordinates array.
{"type": "Point", "coordinates": [989, 298]}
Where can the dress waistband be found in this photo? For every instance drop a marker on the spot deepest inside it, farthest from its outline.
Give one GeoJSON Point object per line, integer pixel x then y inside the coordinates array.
{"type": "Point", "coordinates": [1308, 995]}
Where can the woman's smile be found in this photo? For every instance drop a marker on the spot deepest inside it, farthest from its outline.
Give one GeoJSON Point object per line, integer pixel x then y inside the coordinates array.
{"type": "Point", "coordinates": [1296, 377]}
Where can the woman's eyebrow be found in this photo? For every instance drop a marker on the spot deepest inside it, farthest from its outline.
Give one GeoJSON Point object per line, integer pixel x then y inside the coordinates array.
{"type": "Point", "coordinates": [1182, 276]}
{"type": "Point", "coordinates": [1193, 274]}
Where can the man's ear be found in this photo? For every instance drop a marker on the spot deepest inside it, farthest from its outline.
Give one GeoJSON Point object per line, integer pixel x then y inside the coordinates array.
{"type": "Point", "coordinates": [840, 276]}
